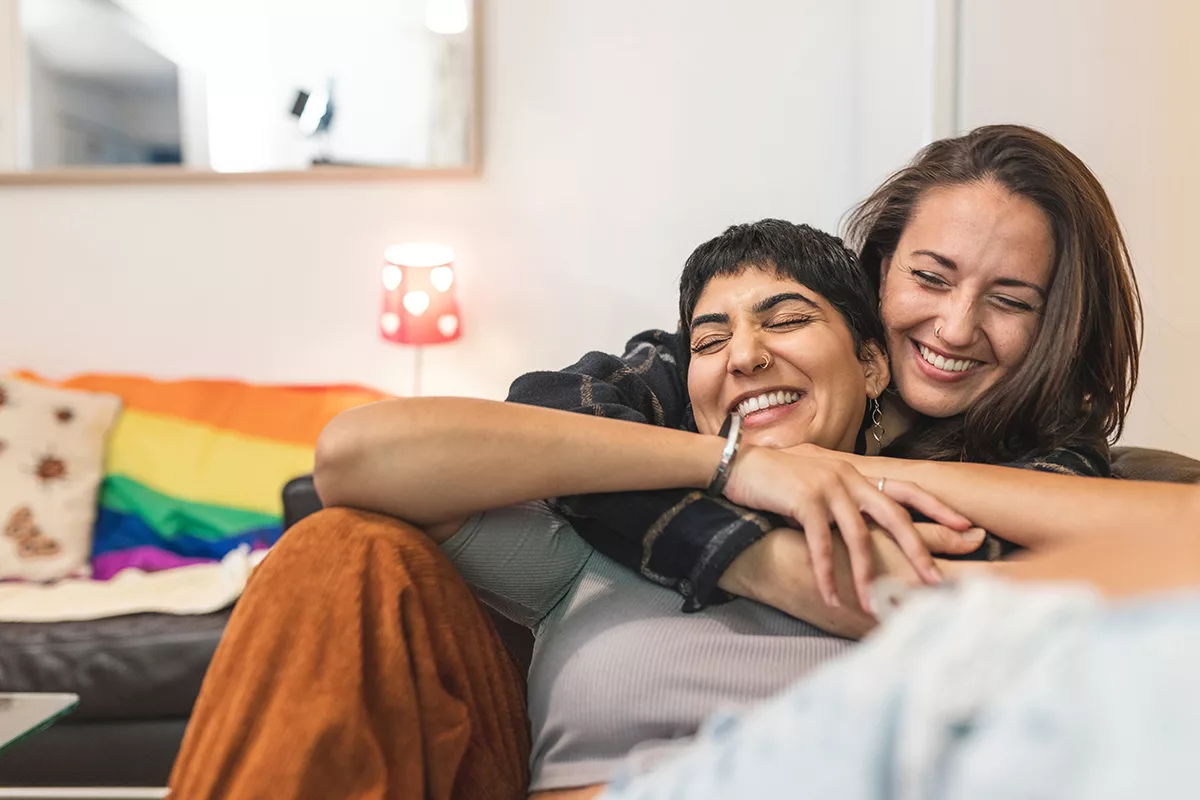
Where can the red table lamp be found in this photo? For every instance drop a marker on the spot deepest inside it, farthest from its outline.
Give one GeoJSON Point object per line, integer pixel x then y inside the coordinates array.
{"type": "Point", "coordinates": [419, 306]}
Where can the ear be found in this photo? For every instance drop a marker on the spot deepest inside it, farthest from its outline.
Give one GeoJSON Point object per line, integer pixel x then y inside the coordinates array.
{"type": "Point", "coordinates": [875, 369]}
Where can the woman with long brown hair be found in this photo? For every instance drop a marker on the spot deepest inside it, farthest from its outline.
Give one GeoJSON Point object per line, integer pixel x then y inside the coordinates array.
{"type": "Point", "coordinates": [1066, 373]}
{"type": "Point", "coordinates": [1013, 327]}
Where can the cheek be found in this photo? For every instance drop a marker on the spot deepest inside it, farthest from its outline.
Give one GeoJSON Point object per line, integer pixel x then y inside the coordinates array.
{"type": "Point", "coordinates": [902, 308]}
{"type": "Point", "coordinates": [704, 390]}
{"type": "Point", "coordinates": [1011, 340]}
{"type": "Point", "coordinates": [838, 374]}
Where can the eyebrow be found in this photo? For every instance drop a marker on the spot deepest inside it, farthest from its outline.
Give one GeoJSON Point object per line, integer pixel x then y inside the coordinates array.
{"type": "Point", "coordinates": [760, 307]}
{"type": "Point", "coordinates": [949, 264]}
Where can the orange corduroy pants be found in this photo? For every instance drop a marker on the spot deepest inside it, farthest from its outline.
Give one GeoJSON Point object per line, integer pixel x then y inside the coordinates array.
{"type": "Point", "coordinates": [357, 664]}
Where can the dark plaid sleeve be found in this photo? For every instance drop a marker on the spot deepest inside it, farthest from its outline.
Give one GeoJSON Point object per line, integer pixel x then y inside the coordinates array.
{"type": "Point", "coordinates": [679, 538]}
{"type": "Point", "coordinates": [1080, 460]}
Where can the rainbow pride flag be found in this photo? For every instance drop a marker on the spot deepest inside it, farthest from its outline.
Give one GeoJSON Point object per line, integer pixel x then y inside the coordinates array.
{"type": "Point", "coordinates": [195, 468]}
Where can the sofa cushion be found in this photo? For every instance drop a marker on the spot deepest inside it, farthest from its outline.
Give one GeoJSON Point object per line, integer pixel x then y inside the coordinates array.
{"type": "Point", "coordinates": [141, 666]}
{"type": "Point", "coordinates": [1144, 464]}
{"type": "Point", "coordinates": [52, 446]}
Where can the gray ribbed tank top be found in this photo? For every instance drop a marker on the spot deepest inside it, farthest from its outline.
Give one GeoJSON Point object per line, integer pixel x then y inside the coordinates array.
{"type": "Point", "coordinates": [618, 670]}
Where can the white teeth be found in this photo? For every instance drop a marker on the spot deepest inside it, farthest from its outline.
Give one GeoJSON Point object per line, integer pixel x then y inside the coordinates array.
{"type": "Point", "coordinates": [946, 364]}
{"type": "Point", "coordinates": [766, 400]}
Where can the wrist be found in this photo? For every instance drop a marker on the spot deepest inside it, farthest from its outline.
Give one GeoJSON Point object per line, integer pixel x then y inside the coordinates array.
{"type": "Point", "coordinates": [704, 454]}
{"type": "Point", "coordinates": [749, 574]}
{"type": "Point", "coordinates": [733, 443]}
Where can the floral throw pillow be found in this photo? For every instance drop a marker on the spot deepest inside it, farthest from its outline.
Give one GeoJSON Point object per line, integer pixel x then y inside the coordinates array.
{"type": "Point", "coordinates": [52, 444]}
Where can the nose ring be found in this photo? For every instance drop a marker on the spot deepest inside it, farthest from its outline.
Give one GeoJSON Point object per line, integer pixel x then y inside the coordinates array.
{"type": "Point", "coordinates": [937, 331]}
{"type": "Point", "coordinates": [766, 362]}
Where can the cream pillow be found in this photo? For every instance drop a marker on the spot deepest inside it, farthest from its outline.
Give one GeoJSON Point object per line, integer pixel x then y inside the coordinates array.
{"type": "Point", "coordinates": [52, 444]}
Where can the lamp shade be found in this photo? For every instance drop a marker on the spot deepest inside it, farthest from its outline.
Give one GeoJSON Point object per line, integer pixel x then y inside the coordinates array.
{"type": "Point", "coordinates": [419, 305]}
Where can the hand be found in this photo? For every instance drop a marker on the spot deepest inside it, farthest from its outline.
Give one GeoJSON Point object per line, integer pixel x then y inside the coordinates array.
{"type": "Point", "coordinates": [814, 491]}
{"type": "Point", "coordinates": [938, 538]}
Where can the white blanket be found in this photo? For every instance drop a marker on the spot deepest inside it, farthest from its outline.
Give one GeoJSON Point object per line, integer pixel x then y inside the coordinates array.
{"type": "Point", "coordinates": [195, 589]}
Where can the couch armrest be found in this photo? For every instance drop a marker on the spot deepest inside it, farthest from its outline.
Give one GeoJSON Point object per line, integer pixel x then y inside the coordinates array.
{"type": "Point", "coordinates": [1142, 464]}
{"type": "Point", "coordinates": [299, 500]}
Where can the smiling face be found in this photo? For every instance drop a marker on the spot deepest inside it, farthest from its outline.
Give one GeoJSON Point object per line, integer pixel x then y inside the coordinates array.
{"type": "Point", "coordinates": [785, 357]}
{"type": "Point", "coordinates": [963, 294]}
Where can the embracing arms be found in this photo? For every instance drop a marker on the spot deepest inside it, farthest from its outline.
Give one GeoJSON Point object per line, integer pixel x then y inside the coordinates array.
{"type": "Point", "coordinates": [435, 461]}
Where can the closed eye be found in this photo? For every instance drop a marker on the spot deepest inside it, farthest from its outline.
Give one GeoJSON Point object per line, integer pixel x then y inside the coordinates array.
{"type": "Point", "coordinates": [789, 322]}
{"type": "Point", "coordinates": [1013, 303]}
{"type": "Point", "coordinates": [929, 278]}
{"type": "Point", "coordinates": [704, 345]}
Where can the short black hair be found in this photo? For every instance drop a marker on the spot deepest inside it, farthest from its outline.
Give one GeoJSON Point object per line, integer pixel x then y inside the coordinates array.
{"type": "Point", "coordinates": [804, 254]}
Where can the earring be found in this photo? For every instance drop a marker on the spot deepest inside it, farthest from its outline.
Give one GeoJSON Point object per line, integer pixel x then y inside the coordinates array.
{"type": "Point", "coordinates": [877, 422]}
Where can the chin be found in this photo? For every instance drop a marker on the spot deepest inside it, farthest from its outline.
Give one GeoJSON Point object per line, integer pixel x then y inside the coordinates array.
{"type": "Point", "coordinates": [933, 401]}
{"type": "Point", "coordinates": [776, 440]}
{"type": "Point", "coordinates": [939, 407]}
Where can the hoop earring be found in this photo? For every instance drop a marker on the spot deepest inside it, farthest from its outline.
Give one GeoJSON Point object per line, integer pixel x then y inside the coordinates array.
{"type": "Point", "coordinates": [877, 422]}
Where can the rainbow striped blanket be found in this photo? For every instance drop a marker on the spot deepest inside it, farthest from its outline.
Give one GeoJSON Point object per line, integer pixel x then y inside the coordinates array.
{"type": "Point", "coordinates": [195, 468]}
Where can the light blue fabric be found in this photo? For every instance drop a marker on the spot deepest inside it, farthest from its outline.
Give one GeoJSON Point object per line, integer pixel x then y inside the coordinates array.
{"type": "Point", "coordinates": [988, 691]}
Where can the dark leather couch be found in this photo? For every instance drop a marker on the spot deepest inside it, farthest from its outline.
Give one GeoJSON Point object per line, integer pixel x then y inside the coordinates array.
{"type": "Point", "coordinates": [138, 676]}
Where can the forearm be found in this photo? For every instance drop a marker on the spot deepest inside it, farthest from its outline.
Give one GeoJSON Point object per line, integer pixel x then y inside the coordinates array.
{"type": "Point", "coordinates": [777, 571]}
{"type": "Point", "coordinates": [1035, 509]}
{"type": "Point", "coordinates": [429, 460]}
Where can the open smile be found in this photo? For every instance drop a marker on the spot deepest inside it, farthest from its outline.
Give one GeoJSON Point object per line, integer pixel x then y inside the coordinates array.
{"type": "Point", "coordinates": [943, 366]}
{"type": "Point", "coordinates": [766, 407]}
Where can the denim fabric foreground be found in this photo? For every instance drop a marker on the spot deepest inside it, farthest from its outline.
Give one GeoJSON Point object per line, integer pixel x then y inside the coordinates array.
{"type": "Point", "coordinates": [990, 690]}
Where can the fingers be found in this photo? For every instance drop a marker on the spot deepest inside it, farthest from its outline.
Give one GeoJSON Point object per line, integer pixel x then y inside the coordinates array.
{"type": "Point", "coordinates": [909, 494]}
{"type": "Point", "coordinates": [820, 548]}
{"type": "Point", "coordinates": [893, 518]}
{"type": "Point", "coordinates": [940, 539]}
{"type": "Point", "coordinates": [853, 529]}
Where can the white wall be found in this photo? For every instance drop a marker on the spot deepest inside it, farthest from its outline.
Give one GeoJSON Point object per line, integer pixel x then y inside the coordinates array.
{"type": "Point", "coordinates": [1117, 82]}
{"type": "Point", "coordinates": [9, 82]}
{"type": "Point", "coordinates": [619, 135]}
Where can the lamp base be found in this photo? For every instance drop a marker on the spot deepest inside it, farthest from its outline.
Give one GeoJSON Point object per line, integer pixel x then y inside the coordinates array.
{"type": "Point", "coordinates": [416, 390]}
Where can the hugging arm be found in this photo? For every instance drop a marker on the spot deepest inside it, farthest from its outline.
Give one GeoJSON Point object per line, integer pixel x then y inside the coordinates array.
{"type": "Point", "coordinates": [1046, 500]}
{"type": "Point", "coordinates": [435, 461]}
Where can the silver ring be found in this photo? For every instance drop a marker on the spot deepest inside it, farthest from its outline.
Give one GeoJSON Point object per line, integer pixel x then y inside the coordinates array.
{"type": "Point", "coordinates": [882, 481]}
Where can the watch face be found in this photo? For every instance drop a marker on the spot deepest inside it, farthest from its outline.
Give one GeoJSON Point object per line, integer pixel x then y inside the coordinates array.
{"type": "Point", "coordinates": [24, 714]}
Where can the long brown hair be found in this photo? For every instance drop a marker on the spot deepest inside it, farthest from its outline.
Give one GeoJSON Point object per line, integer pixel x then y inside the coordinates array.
{"type": "Point", "coordinates": [1074, 385]}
